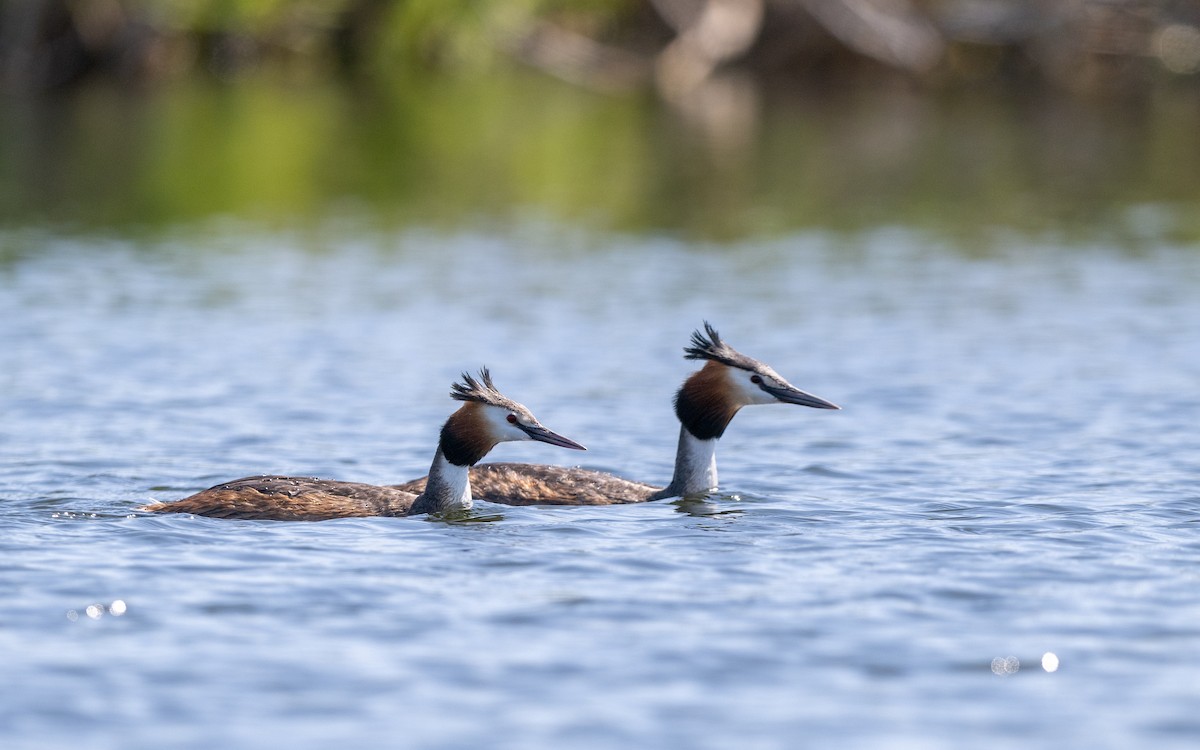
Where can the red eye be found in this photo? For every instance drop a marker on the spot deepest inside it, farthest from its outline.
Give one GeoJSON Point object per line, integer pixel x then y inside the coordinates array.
{"type": "Point", "coordinates": [756, 380]}
{"type": "Point", "coordinates": [512, 418]}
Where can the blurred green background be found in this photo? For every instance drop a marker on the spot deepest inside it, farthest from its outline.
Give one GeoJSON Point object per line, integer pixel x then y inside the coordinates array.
{"type": "Point", "coordinates": [712, 119]}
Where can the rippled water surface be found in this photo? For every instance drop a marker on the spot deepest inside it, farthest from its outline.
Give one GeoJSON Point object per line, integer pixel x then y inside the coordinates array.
{"type": "Point", "coordinates": [1016, 472]}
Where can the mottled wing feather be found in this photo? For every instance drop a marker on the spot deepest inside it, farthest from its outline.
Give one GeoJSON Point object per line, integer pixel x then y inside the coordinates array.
{"type": "Point", "coordinates": [277, 498]}
{"type": "Point", "coordinates": [533, 484]}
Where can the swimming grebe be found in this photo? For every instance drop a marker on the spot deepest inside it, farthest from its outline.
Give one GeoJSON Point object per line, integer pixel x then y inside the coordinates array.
{"type": "Point", "coordinates": [704, 404]}
{"type": "Point", "coordinates": [486, 418]}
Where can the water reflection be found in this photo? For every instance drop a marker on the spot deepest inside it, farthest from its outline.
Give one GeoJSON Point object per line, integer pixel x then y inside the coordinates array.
{"type": "Point", "coordinates": [708, 504]}
{"type": "Point", "coordinates": [449, 152]}
{"type": "Point", "coordinates": [466, 517]}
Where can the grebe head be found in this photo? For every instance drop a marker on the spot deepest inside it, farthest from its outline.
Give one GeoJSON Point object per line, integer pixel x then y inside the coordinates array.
{"type": "Point", "coordinates": [487, 418]}
{"type": "Point", "coordinates": [748, 380]}
{"type": "Point", "coordinates": [729, 380]}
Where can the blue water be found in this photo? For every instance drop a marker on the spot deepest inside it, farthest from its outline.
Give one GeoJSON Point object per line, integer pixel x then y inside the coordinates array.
{"type": "Point", "coordinates": [1016, 472]}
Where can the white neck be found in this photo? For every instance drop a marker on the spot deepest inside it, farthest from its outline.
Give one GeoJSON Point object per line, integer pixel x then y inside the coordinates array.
{"type": "Point", "coordinates": [447, 489]}
{"type": "Point", "coordinates": [695, 466]}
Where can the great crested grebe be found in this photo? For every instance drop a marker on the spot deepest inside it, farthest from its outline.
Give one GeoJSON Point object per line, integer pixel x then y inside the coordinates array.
{"type": "Point", "coordinates": [486, 418]}
{"type": "Point", "coordinates": [705, 404]}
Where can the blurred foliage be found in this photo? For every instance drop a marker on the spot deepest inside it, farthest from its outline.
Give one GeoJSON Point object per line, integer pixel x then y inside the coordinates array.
{"type": "Point", "coordinates": [714, 118]}
{"type": "Point", "coordinates": [46, 44]}
{"type": "Point", "coordinates": [670, 45]}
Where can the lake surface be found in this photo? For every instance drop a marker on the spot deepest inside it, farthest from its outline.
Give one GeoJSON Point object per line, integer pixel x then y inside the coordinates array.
{"type": "Point", "coordinates": [994, 543]}
{"type": "Point", "coordinates": [1015, 473]}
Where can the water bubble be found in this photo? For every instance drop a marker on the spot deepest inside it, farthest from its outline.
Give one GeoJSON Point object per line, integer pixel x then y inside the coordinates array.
{"type": "Point", "coordinates": [1050, 661]}
{"type": "Point", "coordinates": [95, 611]}
{"type": "Point", "coordinates": [72, 615]}
{"type": "Point", "coordinates": [117, 608]}
{"type": "Point", "coordinates": [1006, 665]}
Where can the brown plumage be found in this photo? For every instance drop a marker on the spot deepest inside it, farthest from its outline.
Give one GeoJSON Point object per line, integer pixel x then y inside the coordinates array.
{"type": "Point", "coordinates": [277, 498]}
{"type": "Point", "coordinates": [537, 484]}
{"type": "Point", "coordinates": [704, 404]}
{"type": "Point", "coordinates": [465, 437]}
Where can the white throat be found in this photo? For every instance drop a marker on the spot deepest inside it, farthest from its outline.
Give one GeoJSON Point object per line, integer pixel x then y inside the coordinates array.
{"type": "Point", "coordinates": [695, 466]}
{"type": "Point", "coordinates": [447, 489]}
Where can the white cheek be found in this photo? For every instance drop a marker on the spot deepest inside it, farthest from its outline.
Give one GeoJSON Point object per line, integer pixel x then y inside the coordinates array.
{"type": "Point", "coordinates": [762, 397]}
{"type": "Point", "coordinates": [746, 392]}
{"type": "Point", "coordinates": [502, 430]}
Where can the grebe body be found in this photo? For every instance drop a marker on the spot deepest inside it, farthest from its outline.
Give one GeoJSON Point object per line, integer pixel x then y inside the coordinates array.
{"type": "Point", "coordinates": [705, 404]}
{"type": "Point", "coordinates": [540, 484]}
{"type": "Point", "coordinates": [281, 498]}
{"type": "Point", "coordinates": [485, 419]}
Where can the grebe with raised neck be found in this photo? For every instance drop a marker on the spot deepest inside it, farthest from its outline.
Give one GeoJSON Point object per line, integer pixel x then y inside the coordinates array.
{"type": "Point", "coordinates": [485, 419]}
{"type": "Point", "coordinates": [705, 404]}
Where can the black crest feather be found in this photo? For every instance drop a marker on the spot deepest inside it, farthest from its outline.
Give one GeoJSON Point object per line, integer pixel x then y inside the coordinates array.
{"type": "Point", "coordinates": [482, 390]}
{"type": "Point", "coordinates": [711, 347]}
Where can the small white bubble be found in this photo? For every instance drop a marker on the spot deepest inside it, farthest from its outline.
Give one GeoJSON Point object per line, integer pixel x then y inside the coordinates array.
{"type": "Point", "coordinates": [95, 611]}
{"type": "Point", "coordinates": [1006, 665]}
{"type": "Point", "coordinates": [117, 608]}
{"type": "Point", "coordinates": [72, 615]}
{"type": "Point", "coordinates": [1050, 661]}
